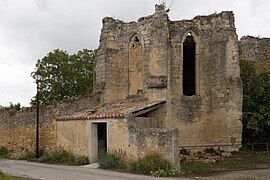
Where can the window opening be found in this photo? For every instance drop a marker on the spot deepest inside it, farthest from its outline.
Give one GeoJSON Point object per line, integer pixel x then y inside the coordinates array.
{"type": "Point", "coordinates": [189, 66]}
{"type": "Point", "coordinates": [136, 39]}
{"type": "Point", "coordinates": [135, 67]}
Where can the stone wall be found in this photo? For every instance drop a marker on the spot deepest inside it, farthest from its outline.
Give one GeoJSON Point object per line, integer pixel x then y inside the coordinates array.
{"type": "Point", "coordinates": [213, 114]}
{"type": "Point", "coordinates": [152, 140]}
{"type": "Point", "coordinates": [117, 69]}
{"type": "Point", "coordinates": [256, 50]}
{"type": "Point", "coordinates": [80, 137]}
{"type": "Point", "coordinates": [18, 128]}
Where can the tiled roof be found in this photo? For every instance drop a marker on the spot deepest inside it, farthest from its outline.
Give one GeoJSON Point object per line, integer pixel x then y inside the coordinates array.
{"type": "Point", "coordinates": [117, 110]}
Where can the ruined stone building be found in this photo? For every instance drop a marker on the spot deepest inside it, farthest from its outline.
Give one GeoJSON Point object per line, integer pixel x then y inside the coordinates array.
{"type": "Point", "coordinates": [162, 84]}
{"type": "Point", "coordinates": [159, 85]}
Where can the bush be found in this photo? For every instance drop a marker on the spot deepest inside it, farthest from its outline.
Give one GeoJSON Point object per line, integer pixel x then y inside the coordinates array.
{"type": "Point", "coordinates": [4, 152]}
{"type": "Point", "coordinates": [155, 165]}
{"type": "Point", "coordinates": [109, 161]}
{"type": "Point", "coordinates": [61, 157]}
{"type": "Point", "coordinates": [64, 157]}
{"type": "Point", "coordinates": [25, 154]}
{"type": "Point", "coordinates": [81, 160]}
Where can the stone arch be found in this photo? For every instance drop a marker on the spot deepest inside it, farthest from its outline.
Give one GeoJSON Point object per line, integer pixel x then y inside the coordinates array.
{"type": "Point", "coordinates": [190, 64]}
{"type": "Point", "coordinates": [135, 79]}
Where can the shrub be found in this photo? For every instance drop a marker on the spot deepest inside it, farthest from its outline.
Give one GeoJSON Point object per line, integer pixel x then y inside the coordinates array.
{"type": "Point", "coordinates": [4, 152]}
{"type": "Point", "coordinates": [25, 154]}
{"type": "Point", "coordinates": [59, 157]}
{"type": "Point", "coordinates": [81, 160]}
{"type": "Point", "coordinates": [155, 165]}
{"type": "Point", "coordinates": [64, 157]}
{"type": "Point", "coordinates": [109, 161]}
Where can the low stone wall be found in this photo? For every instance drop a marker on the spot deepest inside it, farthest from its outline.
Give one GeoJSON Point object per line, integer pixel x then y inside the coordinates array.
{"type": "Point", "coordinates": [18, 128]}
{"type": "Point", "coordinates": [254, 48]}
{"type": "Point", "coordinates": [149, 140]}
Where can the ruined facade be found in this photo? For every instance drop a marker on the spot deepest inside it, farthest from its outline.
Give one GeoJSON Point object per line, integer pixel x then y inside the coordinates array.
{"type": "Point", "coordinates": [162, 85]}
{"type": "Point", "coordinates": [191, 64]}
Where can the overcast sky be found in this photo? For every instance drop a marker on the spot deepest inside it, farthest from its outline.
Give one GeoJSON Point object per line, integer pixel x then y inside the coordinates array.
{"type": "Point", "coordinates": [29, 29]}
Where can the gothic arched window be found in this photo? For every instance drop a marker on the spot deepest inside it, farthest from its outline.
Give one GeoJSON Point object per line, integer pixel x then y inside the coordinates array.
{"type": "Point", "coordinates": [189, 66]}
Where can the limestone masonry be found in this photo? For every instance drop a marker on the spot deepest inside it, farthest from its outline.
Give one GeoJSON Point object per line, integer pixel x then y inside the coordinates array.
{"type": "Point", "coordinates": [193, 65]}
{"type": "Point", "coordinates": [158, 85]}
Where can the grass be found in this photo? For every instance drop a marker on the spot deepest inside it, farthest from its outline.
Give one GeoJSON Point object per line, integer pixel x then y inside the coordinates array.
{"type": "Point", "coordinates": [237, 161]}
{"type": "Point", "coordinates": [197, 167]}
{"type": "Point", "coordinates": [4, 152]}
{"type": "Point", "coordinates": [152, 164]}
{"type": "Point", "coordinates": [6, 177]}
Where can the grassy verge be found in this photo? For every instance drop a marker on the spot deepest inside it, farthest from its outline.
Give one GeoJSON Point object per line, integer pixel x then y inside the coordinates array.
{"type": "Point", "coordinates": [55, 157]}
{"type": "Point", "coordinates": [6, 177]}
{"type": "Point", "coordinates": [152, 164]}
{"type": "Point", "coordinates": [235, 162]}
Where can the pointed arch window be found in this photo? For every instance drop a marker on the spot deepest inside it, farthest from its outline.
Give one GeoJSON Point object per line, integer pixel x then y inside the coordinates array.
{"type": "Point", "coordinates": [189, 66]}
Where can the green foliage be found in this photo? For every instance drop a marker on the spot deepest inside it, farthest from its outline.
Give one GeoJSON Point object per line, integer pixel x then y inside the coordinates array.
{"type": "Point", "coordinates": [4, 152]}
{"type": "Point", "coordinates": [81, 160]}
{"type": "Point", "coordinates": [152, 164]}
{"type": "Point", "coordinates": [25, 154]}
{"type": "Point", "coordinates": [109, 161]}
{"type": "Point", "coordinates": [256, 103]}
{"type": "Point", "coordinates": [64, 157]}
{"type": "Point", "coordinates": [65, 76]}
{"type": "Point", "coordinates": [244, 159]}
{"type": "Point", "coordinates": [61, 157]}
{"type": "Point", "coordinates": [6, 177]}
{"type": "Point", "coordinates": [155, 165]}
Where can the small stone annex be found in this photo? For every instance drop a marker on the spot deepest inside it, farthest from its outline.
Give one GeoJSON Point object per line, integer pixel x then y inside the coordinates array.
{"type": "Point", "coordinates": [161, 84]}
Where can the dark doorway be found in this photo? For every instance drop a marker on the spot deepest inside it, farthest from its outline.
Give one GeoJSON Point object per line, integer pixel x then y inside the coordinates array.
{"type": "Point", "coordinates": [102, 137]}
{"type": "Point", "coordinates": [189, 66]}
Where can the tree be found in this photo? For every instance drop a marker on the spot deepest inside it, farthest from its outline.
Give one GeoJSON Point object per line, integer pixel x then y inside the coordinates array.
{"type": "Point", "coordinates": [65, 76]}
{"type": "Point", "coordinates": [256, 103]}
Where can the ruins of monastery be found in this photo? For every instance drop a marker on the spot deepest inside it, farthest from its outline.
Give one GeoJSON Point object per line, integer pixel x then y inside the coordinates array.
{"type": "Point", "coordinates": [158, 85]}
